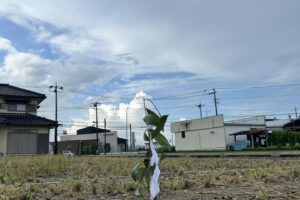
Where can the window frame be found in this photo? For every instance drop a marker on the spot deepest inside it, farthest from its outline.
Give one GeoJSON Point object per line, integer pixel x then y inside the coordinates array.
{"type": "Point", "coordinates": [182, 134]}
{"type": "Point", "coordinates": [16, 107]}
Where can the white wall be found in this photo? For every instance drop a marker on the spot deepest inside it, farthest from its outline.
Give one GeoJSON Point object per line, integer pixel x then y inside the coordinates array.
{"type": "Point", "coordinates": [198, 124]}
{"type": "Point", "coordinates": [200, 134]}
{"type": "Point", "coordinates": [206, 139]}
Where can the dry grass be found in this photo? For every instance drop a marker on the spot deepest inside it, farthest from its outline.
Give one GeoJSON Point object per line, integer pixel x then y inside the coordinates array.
{"type": "Point", "coordinates": [57, 177]}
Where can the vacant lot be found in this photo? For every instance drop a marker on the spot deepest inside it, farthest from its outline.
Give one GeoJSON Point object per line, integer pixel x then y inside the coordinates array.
{"type": "Point", "coordinates": [56, 177]}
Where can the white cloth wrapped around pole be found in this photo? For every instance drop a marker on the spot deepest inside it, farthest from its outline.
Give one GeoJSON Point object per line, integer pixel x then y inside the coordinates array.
{"type": "Point", "coordinates": [154, 185]}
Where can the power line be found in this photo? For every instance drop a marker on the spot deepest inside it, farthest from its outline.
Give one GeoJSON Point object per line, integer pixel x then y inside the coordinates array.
{"type": "Point", "coordinates": [259, 86]}
{"type": "Point", "coordinates": [180, 95]}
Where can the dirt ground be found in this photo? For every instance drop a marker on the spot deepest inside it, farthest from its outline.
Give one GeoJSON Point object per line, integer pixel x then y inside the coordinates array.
{"type": "Point", "coordinates": [182, 178]}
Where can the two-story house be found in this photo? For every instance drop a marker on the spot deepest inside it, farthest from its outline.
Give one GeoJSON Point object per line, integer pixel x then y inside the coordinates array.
{"type": "Point", "coordinates": [21, 130]}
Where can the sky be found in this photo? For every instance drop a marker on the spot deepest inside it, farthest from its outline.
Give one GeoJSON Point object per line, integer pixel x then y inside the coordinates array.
{"type": "Point", "coordinates": [172, 52]}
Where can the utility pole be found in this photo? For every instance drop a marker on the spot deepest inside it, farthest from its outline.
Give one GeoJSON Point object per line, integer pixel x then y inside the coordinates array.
{"type": "Point", "coordinates": [104, 136]}
{"type": "Point", "coordinates": [55, 88]}
{"type": "Point", "coordinates": [296, 112]}
{"type": "Point", "coordinates": [133, 141]}
{"type": "Point", "coordinates": [95, 105]}
{"type": "Point", "coordinates": [200, 107]}
{"type": "Point", "coordinates": [130, 133]}
{"type": "Point", "coordinates": [215, 100]}
{"type": "Point", "coordinates": [127, 128]}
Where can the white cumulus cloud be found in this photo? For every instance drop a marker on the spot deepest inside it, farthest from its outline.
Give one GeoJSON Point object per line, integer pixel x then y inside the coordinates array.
{"type": "Point", "coordinates": [6, 45]}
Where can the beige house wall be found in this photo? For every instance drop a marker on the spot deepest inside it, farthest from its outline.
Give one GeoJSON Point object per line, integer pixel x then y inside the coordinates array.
{"type": "Point", "coordinates": [3, 139]}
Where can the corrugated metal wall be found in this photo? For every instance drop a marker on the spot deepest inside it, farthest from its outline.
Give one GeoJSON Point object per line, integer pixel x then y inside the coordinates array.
{"type": "Point", "coordinates": [21, 143]}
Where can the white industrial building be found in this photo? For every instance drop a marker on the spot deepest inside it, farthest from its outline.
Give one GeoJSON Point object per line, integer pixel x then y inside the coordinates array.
{"type": "Point", "coordinates": [212, 133]}
{"type": "Point", "coordinates": [87, 137]}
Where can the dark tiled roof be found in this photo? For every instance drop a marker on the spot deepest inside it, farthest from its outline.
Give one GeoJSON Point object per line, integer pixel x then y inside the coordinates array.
{"type": "Point", "coordinates": [7, 90]}
{"type": "Point", "coordinates": [90, 130]}
{"type": "Point", "coordinates": [121, 141]}
{"type": "Point", "coordinates": [294, 124]}
{"type": "Point", "coordinates": [24, 119]}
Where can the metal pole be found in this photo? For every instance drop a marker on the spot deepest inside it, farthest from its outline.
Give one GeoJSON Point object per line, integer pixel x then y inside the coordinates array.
{"type": "Point", "coordinates": [95, 105]}
{"type": "Point", "coordinates": [130, 136]}
{"type": "Point", "coordinates": [55, 131]}
{"type": "Point", "coordinates": [296, 113]}
{"type": "Point", "coordinates": [200, 107]}
{"type": "Point", "coordinates": [97, 133]}
{"type": "Point", "coordinates": [215, 99]}
{"type": "Point", "coordinates": [126, 129]}
{"type": "Point", "coordinates": [104, 136]}
{"type": "Point", "coordinates": [56, 89]}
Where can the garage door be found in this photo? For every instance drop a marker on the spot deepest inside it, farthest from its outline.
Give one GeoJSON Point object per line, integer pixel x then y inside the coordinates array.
{"type": "Point", "coordinates": [22, 141]}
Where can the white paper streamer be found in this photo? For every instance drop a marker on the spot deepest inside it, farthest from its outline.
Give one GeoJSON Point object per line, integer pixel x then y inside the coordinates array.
{"type": "Point", "coordinates": [154, 186]}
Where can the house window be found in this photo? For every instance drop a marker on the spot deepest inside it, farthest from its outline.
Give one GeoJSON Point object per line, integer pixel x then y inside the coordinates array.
{"type": "Point", "coordinates": [182, 134]}
{"type": "Point", "coordinates": [2, 105]}
{"type": "Point", "coordinates": [16, 107]}
{"type": "Point", "coordinates": [31, 108]}
{"type": "Point", "coordinates": [20, 131]}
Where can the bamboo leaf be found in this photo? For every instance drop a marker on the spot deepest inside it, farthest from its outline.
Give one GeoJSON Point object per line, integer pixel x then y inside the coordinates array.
{"type": "Point", "coordinates": [162, 122]}
{"type": "Point", "coordinates": [135, 171]}
{"type": "Point", "coordinates": [146, 138]}
{"type": "Point", "coordinates": [140, 174]}
{"type": "Point", "coordinates": [150, 112]}
{"type": "Point", "coordinates": [153, 133]}
{"type": "Point", "coordinates": [146, 162]}
{"type": "Point", "coordinates": [151, 120]}
{"type": "Point", "coordinates": [162, 140]}
{"type": "Point", "coordinates": [147, 175]}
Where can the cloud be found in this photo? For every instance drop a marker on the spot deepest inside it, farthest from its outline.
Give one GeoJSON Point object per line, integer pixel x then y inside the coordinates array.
{"type": "Point", "coordinates": [6, 45]}
{"type": "Point", "coordinates": [211, 41]}
{"type": "Point", "coordinates": [30, 68]}
{"type": "Point", "coordinates": [116, 117]}
{"type": "Point", "coordinates": [21, 68]}
{"type": "Point", "coordinates": [36, 27]}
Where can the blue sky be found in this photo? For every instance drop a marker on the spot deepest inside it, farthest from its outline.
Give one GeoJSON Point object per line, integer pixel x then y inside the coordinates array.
{"type": "Point", "coordinates": [171, 52]}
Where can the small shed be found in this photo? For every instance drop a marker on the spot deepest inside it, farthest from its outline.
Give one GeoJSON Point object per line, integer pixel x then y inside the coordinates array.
{"type": "Point", "coordinates": [256, 137]}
